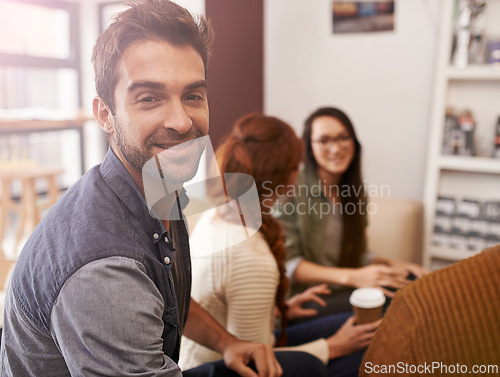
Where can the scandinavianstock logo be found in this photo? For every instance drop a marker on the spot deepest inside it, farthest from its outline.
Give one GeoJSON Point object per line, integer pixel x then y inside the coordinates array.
{"type": "Point", "coordinates": [231, 198]}
{"type": "Point", "coordinates": [351, 199]}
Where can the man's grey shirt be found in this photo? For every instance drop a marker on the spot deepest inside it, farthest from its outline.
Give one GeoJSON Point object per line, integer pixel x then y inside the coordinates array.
{"type": "Point", "coordinates": [92, 293]}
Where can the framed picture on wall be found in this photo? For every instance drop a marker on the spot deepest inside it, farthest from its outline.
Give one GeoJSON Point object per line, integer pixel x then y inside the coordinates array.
{"type": "Point", "coordinates": [362, 16]}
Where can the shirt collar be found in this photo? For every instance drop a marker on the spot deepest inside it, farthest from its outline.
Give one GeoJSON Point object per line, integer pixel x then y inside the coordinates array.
{"type": "Point", "coordinates": [120, 181]}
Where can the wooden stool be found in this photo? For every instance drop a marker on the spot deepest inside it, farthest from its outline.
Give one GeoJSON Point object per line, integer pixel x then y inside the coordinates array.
{"type": "Point", "coordinates": [28, 208]}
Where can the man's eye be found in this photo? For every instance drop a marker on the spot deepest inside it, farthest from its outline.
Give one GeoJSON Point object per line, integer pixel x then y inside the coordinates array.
{"type": "Point", "coordinates": [194, 97]}
{"type": "Point", "coordinates": [147, 99]}
{"type": "Point", "coordinates": [324, 141]}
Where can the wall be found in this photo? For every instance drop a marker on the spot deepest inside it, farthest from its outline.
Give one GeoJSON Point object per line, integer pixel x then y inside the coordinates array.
{"type": "Point", "coordinates": [235, 72]}
{"type": "Point", "coordinates": [382, 80]}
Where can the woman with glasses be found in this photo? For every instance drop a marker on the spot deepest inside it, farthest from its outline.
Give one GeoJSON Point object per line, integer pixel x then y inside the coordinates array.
{"type": "Point", "coordinates": [325, 220]}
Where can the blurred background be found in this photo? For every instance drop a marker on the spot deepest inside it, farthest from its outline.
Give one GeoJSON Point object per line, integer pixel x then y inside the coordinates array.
{"type": "Point", "coordinates": [283, 53]}
{"type": "Point", "coordinates": [282, 57]}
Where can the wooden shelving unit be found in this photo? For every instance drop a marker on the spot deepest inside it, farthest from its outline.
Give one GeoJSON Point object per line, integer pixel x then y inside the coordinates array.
{"type": "Point", "coordinates": [475, 87]}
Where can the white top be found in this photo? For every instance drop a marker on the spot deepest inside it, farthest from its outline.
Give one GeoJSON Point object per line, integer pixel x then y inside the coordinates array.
{"type": "Point", "coordinates": [236, 282]}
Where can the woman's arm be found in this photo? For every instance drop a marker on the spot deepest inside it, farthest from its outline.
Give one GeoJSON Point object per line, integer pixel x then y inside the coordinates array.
{"type": "Point", "coordinates": [376, 275]}
{"type": "Point", "coordinates": [405, 267]}
{"type": "Point", "coordinates": [348, 339]}
{"type": "Point", "coordinates": [314, 273]}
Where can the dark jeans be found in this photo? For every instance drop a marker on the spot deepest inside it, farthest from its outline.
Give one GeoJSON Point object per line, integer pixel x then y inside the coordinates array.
{"type": "Point", "coordinates": [346, 366]}
{"type": "Point", "coordinates": [294, 364]}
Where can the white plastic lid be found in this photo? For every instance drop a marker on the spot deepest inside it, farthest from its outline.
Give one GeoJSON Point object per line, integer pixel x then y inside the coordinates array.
{"type": "Point", "coordinates": [367, 298]}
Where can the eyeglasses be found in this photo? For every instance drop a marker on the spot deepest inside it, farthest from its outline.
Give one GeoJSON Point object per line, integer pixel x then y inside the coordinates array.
{"type": "Point", "coordinates": [343, 142]}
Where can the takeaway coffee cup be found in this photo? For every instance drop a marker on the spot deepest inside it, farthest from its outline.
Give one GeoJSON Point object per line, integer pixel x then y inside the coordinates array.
{"type": "Point", "coordinates": [367, 304]}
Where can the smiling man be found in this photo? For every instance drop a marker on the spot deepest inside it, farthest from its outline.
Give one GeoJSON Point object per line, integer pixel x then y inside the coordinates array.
{"type": "Point", "coordinates": [158, 108]}
{"type": "Point", "coordinates": [102, 286]}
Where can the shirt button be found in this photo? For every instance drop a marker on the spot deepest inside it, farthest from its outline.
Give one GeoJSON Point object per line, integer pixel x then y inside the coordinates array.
{"type": "Point", "coordinates": [166, 240]}
{"type": "Point", "coordinates": [166, 260]}
{"type": "Point", "coordinates": [156, 236]}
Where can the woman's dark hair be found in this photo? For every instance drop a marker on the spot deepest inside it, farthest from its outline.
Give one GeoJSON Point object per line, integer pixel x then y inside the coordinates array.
{"type": "Point", "coordinates": [268, 149]}
{"type": "Point", "coordinates": [353, 236]}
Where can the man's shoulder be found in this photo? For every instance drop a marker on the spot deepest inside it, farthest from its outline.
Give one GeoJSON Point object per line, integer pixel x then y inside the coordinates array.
{"type": "Point", "coordinates": [475, 279]}
{"type": "Point", "coordinates": [87, 223]}
{"type": "Point", "coordinates": [85, 186]}
{"type": "Point", "coordinates": [89, 197]}
{"type": "Point", "coordinates": [482, 268]}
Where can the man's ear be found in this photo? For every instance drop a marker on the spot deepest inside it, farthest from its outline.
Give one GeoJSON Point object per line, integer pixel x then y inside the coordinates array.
{"type": "Point", "coordinates": [103, 115]}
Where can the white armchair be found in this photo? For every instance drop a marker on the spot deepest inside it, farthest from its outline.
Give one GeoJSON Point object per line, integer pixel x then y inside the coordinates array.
{"type": "Point", "coordinates": [395, 230]}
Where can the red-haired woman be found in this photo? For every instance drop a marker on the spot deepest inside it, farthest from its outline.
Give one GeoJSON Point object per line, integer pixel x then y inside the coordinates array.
{"type": "Point", "coordinates": [239, 269]}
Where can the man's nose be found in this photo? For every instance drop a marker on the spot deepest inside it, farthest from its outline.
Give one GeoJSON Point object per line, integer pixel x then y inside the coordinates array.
{"type": "Point", "coordinates": [177, 118]}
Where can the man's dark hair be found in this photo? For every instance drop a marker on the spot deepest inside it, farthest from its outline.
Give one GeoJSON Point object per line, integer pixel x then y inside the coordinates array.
{"type": "Point", "coordinates": [145, 21]}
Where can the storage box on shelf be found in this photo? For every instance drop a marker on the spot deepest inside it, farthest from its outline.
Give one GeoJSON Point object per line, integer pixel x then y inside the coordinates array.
{"type": "Point", "coordinates": [465, 180]}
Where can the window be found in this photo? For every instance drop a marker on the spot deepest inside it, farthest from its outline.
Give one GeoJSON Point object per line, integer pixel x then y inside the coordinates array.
{"type": "Point", "coordinates": [40, 79]}
{"type": "Point", "coordinates": [39, 56]}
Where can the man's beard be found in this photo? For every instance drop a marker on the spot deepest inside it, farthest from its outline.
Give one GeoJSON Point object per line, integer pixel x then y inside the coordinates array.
{"type": "Point", "coordinates": [172, 169]}
{"type": "Point", "coordinates": [177, 169]}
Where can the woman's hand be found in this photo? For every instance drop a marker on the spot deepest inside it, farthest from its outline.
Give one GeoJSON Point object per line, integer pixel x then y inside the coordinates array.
{"type": "Point", "coordinates": [295, 309]}
{"type": "Point", "coordinates": [407, 268]}
{"type": "Point", "coordinates": [351, 338]}
{"type": "Point", "coordinates": [379, 276]}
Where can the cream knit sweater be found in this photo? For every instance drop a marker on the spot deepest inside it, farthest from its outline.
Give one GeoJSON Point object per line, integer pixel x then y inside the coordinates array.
{"type": "Point", "coordinates": [235, 279]}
